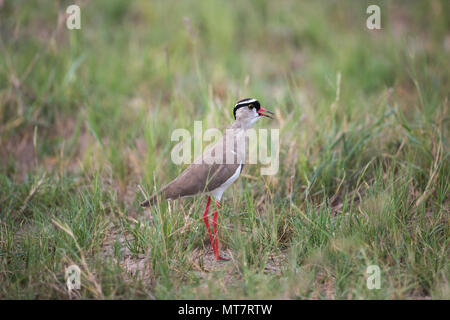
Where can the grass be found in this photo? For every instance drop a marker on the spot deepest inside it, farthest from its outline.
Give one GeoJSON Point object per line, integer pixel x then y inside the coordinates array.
{"type": "Point", "coordinates": [86, 115]}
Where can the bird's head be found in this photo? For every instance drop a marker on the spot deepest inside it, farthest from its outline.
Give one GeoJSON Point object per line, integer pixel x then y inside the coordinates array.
{"type": "Point", "coordinates": [249, 110]}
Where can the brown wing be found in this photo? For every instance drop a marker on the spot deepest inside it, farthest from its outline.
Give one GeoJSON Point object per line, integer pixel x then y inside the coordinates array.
{"type": "Point", "coordinates": [195, 179]}
{"type": "Point", "coordinates": [199, 177]}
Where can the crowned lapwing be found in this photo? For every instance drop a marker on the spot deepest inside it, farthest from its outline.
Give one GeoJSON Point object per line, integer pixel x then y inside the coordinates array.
{"type": "Point", "coordinates": [218, 167]}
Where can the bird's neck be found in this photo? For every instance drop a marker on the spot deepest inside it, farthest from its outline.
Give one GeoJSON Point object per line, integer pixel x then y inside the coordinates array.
{"type": "Point", "coordinates": [239, 125]}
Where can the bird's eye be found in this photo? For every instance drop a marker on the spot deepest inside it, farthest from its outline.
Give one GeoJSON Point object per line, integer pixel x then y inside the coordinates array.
{"type": "Point", "coordinates": [250, 106]}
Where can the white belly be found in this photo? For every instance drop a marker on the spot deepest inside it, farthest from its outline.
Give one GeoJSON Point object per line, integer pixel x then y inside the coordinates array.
{"type": "Point", "coordinates": [217, 193]}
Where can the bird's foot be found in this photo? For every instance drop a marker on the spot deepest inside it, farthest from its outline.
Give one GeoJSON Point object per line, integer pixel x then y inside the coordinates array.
{"type": "Point", "coordinates": [219, 258]}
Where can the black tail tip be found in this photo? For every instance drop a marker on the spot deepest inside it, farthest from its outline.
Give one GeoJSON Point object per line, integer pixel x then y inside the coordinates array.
{"type": "Point", "coordinates": [145, 204]}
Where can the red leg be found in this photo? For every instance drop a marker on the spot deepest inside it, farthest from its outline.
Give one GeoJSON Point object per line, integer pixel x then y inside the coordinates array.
{"type": "Point", "coordinates": [205, 219]}
{"type": "Point", "coordinates": [216, 238]}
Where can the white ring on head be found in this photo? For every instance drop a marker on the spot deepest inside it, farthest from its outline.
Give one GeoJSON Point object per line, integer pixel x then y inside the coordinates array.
{"type": "Point", "coordinates": [246, 101]}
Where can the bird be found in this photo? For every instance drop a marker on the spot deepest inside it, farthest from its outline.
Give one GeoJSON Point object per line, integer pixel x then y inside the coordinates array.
{"type": "Point", "coordinates": [217, 168]}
